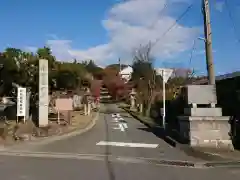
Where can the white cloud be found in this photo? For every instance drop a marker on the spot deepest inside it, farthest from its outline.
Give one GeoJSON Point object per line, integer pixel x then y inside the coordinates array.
{"type": "Point", "coordinates": [128, 25]}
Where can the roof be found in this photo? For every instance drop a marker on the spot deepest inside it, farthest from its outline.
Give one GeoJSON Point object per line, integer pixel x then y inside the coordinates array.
{"type": "Point", "coordinates": [228, 76]}
{"type": "Point", "coordinates": [204, 79]}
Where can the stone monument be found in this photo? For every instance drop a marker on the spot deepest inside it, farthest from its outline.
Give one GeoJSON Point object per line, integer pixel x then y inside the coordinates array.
{"type": "Point", "coordinates": [202, 124]}
{"type": "Point", "coordinates": [43, 93]}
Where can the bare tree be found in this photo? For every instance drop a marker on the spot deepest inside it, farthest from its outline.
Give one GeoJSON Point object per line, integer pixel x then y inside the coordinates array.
{"type": "Point", "coordinates": [144, 73]}
{"type": "Point", "coordinates": [180, 78]}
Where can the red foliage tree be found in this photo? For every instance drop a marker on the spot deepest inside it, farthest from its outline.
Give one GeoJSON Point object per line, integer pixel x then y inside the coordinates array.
{"type": "Point", "coordinates": [96, 87]}
{"type": "Point", "coordinates": [116, 86]}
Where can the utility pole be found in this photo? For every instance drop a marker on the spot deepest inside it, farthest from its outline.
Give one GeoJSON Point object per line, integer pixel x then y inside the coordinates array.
{"type": "Point", "coordinates": [119, 61]}
{"type": "Point", "coordinates": [208, 42]}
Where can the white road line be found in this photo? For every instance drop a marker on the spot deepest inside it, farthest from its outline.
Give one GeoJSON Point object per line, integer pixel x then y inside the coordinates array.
{"type": "Point", "coordinates": [123, 144]}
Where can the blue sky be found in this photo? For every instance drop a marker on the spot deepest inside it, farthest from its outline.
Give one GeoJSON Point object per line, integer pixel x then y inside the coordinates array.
{"type": "Point", "coordinates": [108, 29]}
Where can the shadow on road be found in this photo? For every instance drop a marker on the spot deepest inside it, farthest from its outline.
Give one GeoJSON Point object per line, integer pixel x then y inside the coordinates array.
{"type": "Point", "coordinates": [159, 132]}
{"type": "Point", "coordinates": [110, 111]}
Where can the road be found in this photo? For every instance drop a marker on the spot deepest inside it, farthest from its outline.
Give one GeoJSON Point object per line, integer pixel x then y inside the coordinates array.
{"type": "Point", "coordinates": [118, 147]}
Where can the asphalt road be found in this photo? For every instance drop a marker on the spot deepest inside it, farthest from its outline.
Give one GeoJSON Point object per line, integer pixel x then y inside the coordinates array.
{"type": "Point", "coordinates": [118, 147]}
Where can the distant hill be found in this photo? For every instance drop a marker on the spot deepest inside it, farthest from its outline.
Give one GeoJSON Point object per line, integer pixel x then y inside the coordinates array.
{"type": "Point", "coordinates": [116, 66]}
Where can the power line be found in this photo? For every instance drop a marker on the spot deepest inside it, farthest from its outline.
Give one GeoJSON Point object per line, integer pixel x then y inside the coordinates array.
{"type": "Point", "coordinates": [174, 24]}
{"type": "Point", "coordinates": [192, 51]}
{"type": "Point", "coordinates": [159, 15]}
{"type": "Point", "coordinates": [231, 18]}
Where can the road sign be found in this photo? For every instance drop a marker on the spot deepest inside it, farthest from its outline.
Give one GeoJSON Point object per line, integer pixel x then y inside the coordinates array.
{"type": "Point", "coordinates": [165, 73]}
{"type": "Point", "coordinates": [21, 102]}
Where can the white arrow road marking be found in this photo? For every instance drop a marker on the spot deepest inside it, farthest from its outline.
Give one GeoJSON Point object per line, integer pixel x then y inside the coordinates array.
{"type": "Point", "coordinates": [121, 127]}
{"type": "Point", "coordinates": [123, 144]}
{"type": "Point", "coordinates": [115, 115]}
{"type": "Point", "coordinates": [116, 119]}
{"type": "Point", "coordinates": [125, 125]}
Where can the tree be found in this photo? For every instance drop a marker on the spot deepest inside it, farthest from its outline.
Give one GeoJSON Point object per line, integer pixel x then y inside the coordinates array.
{"type": "Point", "coordinates": [11, 60]}
{"type": "Point", "coordinates": [144, 75]}
{"type": "Point", "coordinates": [23, 68]}
{"type": "Point", "coordinates": [45, 53]}
{"type": "Point", "coordinates": [180, 78]}
{"type": "Point", "coordinates": [96, 87]}
{"type": "Point", "coordinates": [8, 70]}
{"type": "Point", "coordinates": [69, 75]}
{"type": "Point", "coordinates": [92, 68]}
{"type": "Point", "coordinates": [115, 86]}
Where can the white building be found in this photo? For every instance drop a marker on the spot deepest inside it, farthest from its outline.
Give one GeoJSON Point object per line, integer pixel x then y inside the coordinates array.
{"type": "Point", "coordinates": [126, 73]}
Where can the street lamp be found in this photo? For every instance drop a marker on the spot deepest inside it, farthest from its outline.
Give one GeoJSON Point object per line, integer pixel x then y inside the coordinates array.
{"type": "Point", "coordinates": [201, 38]}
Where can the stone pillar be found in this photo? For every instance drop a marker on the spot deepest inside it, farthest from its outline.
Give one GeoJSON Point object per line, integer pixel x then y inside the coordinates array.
{"type": "Point", "coordinates": [43, 93]}
{"type": "Point", "coordinates": [85, 109]}
{"type": "Point", "coordinates": [88, 109]}
{"type": "Point", "coordinates": [141, 108]}
{"type": "Point", "coordinates": [204, 126]}
{"type": "Point", "coordinates": [133, 99]}
{"type": "Point", "coordinates": [86, 102]}
{"type": "Point", "coordinates": [5, 100]}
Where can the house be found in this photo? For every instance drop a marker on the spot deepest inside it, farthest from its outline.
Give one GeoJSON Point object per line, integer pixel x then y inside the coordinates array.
{"type": "Point", "coordinates": [177, 72]}
{"type": "Point", "coordinates": [126, 73]}
{"type": "Point", "coordinates": [219, 79]}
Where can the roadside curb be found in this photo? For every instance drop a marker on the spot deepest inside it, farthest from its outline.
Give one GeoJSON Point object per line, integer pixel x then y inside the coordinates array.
{"type": "Point", "coordinates": [47, 140]}
{"type": "Point", "coordinates": [167, 138]}
{"type": "Point", "coordinates": [137, 117]}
